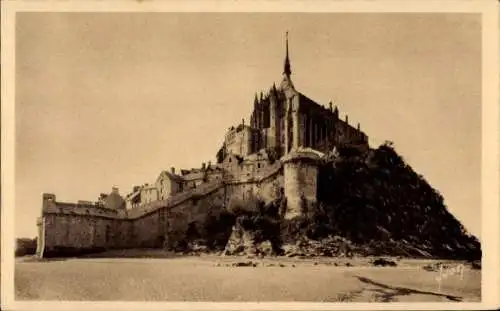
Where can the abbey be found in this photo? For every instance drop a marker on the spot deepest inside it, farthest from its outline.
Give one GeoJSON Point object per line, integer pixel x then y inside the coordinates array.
{"type": "Point", "coordinates": [276, 154]}
{"type": "Point", "coordinates": [284, 119]}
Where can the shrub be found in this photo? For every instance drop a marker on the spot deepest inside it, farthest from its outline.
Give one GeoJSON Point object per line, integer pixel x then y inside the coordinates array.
{"type": "Point", "coordinates": [238, 207]}
{"type": "Point", "coordinates": [25, 246]}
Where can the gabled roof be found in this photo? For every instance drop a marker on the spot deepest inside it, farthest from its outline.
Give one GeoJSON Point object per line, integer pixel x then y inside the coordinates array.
{"type": "Point", "coordinates": [194, 175]}
{"type": "Point", "coordinates": [170, 176]}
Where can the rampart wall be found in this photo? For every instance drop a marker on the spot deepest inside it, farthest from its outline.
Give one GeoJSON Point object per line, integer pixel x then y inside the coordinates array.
{"type": "Point", "coordinates": [74, 228]}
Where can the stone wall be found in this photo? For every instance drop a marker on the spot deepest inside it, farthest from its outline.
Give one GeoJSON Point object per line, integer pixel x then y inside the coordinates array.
{"type": "Point", "coordinates": [239, 140]}
{"type": "Point", "coordinates": [73, 228]}
{"type": "Point", "coordinates": [300, 182]}
{"type": "Point", "coordinates": [67, 228]}
{"type": "Point", "coordinates": [153, 223]}
{"type": "Point", "coordinates": [266, 187]}
{"type": "Point", "coordinates": [195, 209]}
{"type": "Point", "coordinates": [148, 231]}
{"type": "Point", "coordinates": [215, 174]}
{"type": "Point", "coordinates": [75, 233]}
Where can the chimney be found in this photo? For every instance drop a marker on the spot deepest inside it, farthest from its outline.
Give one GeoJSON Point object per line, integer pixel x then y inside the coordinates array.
{"type": "Point", "coordinates": [172, 169]}
{"type": "Point", "coordinates": [346, 119]}
{"type": "Point", "coordinates": [330, 106]}
{"type": "Point", "coordinates": [203, 166]}
{"type": "Point", "coordinates": [114, 189]}
{"type": "Point", "coordinates": [243, 121]}
{"type": "Point", "coordinates": [209, 164]}
{"type": "Point", "coordinates": [359, 127]}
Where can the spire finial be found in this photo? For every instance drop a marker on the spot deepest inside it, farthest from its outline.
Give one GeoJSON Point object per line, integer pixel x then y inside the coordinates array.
{"type": "Point", "coordinates": [286, 35]}
{"type": "Point", "coordinates": [287, 70]}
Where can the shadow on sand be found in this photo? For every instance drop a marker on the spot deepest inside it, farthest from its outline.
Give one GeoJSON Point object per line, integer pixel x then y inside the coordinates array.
{"type": "Point", "coordinates": [33, 258]}
{"type": "Point", "coordinates": [387, 293]}
{"type": "Point", "coordinates": [111, 254]}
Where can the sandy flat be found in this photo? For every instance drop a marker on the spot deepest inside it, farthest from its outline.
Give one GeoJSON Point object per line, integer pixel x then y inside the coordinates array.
{"type": "Point", "coordinates": [213, 278]}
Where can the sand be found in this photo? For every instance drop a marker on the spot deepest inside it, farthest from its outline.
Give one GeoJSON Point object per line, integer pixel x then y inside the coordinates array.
{"type": "Point", "coordinates": [213, 278]}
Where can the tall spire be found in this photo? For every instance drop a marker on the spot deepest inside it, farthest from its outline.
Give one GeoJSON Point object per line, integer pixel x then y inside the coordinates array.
{"type": "Point", "coordinates": [287, 71]}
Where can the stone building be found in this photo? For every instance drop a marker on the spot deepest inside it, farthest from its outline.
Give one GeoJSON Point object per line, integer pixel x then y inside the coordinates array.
{"type": "Point", "coordinates": [141, 195]}
{"type": "Point", "coordinates": [168, 184]}
{"type": "Point", "coordinates": [276, 153]}
{"type": "Point", "coordinates": [284, 118]}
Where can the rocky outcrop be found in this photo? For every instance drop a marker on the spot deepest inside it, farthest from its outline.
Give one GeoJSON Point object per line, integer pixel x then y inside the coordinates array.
{"type": "Point", "coordinates": [377, 201]}
{"type": "Point", "coordinates": [241, 242]}
{"type": "Point", "coordinates": [334, 246]}
{"type": "Point", "coordinates": [246, 242]}
{"type": "Point", "coordinates": [370, 204]}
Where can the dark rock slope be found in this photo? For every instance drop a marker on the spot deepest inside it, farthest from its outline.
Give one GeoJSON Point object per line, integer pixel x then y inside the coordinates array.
{"type": "Point", "coordinates": [376, 199]}
{"type": "Point", "coordinates": [370, 203]}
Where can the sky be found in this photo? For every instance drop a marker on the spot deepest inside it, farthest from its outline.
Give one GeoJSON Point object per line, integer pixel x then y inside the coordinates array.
{"type": "Point", "coordinates": [111, 99]}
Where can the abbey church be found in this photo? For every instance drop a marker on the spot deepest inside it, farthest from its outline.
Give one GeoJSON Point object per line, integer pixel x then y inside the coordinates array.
{"type": "Point", "coordinates": [285, 119]}
{"type": "Point", "coordinates": [276, 154]}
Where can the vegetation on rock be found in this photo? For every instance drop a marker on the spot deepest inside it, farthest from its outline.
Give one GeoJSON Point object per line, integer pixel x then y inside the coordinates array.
{"type": "Point", "coordinates": [376, 198]}
{"type": "Point", "coordinates": [370, 203]}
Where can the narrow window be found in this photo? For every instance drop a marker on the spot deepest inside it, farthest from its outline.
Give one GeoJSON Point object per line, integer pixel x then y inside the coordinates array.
{"type": "Point", "coordinates": [108, 234]}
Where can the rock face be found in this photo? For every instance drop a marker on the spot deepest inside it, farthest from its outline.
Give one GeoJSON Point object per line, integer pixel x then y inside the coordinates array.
{"type": "Point", "coordinates": [370, 204]}
{"type": "Point", "coordinates": [333, 246]}
{"type": "Point", "coordinates": [241, 242]}
{"type": "Point", "coordinates": [245, 242]}
{"type": "Point", "coordinates": [378, 202]}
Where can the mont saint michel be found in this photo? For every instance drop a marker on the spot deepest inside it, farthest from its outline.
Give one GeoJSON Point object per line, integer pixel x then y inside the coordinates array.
{"type": "Point", "coordinates": [299, 185]}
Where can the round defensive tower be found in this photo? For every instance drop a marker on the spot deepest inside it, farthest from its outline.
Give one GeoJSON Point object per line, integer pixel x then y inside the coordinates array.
{"type": "Point", "coordinates": [300, 170]}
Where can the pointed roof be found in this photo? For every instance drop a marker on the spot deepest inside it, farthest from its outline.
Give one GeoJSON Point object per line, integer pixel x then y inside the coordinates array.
{"type": "Point", "coordinates": [286, 84]}
{"type": "Point", "coordinates": [287, 68]}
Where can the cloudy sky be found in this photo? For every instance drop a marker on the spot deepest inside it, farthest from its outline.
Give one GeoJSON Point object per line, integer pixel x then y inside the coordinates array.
{"type": "Point", "coordinates": [111, 99]}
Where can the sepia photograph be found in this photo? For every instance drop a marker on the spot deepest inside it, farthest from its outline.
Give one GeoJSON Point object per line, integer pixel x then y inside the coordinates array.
{"type": "Point", "coordinates": [247, 156]}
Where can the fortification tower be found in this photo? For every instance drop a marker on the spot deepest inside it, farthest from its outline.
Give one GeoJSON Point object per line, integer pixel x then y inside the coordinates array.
{"type": "Point", "coordinates": [300, 166]}
{"type": "Point", "coordinates": [48, 202]}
